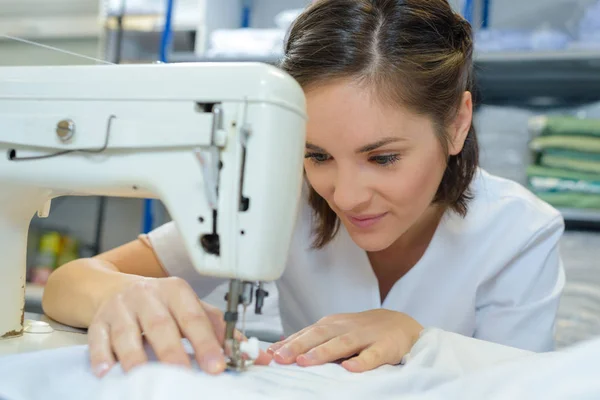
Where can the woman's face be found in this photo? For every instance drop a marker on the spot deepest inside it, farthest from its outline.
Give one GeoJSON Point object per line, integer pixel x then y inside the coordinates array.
{"type": "Point", "coordinates": [377, 166]}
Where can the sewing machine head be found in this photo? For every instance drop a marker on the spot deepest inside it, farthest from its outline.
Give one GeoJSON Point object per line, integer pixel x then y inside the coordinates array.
{"type": "Point", "coordinates": [221, 145]}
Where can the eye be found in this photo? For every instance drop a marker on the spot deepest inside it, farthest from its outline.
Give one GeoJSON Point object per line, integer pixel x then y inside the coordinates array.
{"type": "Point", "coordinates": [385, 160]}
{"type": "Point", "coordinates": [317, 158]}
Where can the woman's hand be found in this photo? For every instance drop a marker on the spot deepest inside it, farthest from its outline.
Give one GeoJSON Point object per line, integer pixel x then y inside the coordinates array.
{"type": "Point", "coordinates": [369, 339]}
{"type": "Point", "coordinates": [165, 310]}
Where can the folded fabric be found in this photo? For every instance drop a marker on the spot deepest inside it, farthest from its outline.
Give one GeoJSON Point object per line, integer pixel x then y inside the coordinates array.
{"type": "Point", "coordinates": [573, 154]}
{"type": "Point", "coordinates": [544, 172]}
{"type": "Point", "coordinates": [564, 126]}
{"type": "Point", "coordinates": [556, 185]}
{"type": "Point", "coordinates": [570, 199]}
{"type": "Point", "coordinates": [246, 42]}
{"type": "Point", "coordinates": [563, 375]}
{"type": "Point", "coordinates": [552, 161]}
{"type": "Point", "coordinates": [585, 144]}
{"type": "Point", "coordinates": [565, 188]}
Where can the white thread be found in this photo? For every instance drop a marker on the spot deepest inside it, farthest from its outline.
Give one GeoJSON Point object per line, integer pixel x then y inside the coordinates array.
{"type": "Point", "coordinates": [54, 49]}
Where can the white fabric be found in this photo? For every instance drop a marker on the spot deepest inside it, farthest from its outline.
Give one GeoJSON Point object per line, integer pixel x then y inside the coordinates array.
{"type": "Point", "coordinates": [495, 275]}
{"type": "Point", "coordinates": [442, 365]}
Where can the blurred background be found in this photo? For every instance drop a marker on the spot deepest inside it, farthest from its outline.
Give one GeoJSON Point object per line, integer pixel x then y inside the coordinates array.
{"type": "Point", "coordinates": [538, 111]}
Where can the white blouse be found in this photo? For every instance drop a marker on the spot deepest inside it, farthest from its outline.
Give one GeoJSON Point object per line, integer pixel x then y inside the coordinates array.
{"type": "Point", "coordinates": [495, 275]}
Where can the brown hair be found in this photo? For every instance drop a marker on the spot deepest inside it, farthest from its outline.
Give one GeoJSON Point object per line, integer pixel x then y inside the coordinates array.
{"type": "Point", "coordinates": [417, 53]}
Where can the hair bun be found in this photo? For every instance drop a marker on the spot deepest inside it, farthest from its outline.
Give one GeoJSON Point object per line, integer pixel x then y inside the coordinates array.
{"type": "Point", "coordinates": [462, 35]}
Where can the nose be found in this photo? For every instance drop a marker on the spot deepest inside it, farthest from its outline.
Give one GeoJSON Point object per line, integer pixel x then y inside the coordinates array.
{"type": "Point", "coordinates": [350, 192]}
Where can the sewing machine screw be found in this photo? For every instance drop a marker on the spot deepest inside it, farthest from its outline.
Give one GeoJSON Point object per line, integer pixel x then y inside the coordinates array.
{"type": "Point", "coordinates": [65, 130]}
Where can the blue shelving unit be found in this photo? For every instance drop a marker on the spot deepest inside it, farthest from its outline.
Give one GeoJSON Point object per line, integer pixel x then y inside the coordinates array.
{"type": "Point", "coordinates": [469, 9]}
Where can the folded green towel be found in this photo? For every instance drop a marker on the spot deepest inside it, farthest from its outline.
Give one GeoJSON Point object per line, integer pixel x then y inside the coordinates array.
{"type": "Point", "coordinates": [571, 200]}
{"type": "Point", "coordinates": [545, 172]}
{"type": "Point", "coordinates": [576, 143]}
{"type": "Point", "coordinates": [558, 185]}
{"type": "Point", "coordinates": [573, 155]}
{"type": "Point", "coordinates": [565, 188]}
{"type": "Point", "coordinates": [564, 126]}
{"type": "Point", "coordinates": [552, 161]}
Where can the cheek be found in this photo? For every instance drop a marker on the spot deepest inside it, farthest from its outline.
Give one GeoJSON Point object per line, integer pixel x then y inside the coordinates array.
{"type": "Point", "coordinates": [318, 178]}
{"type": "Point", "coordinates": [416, 181]}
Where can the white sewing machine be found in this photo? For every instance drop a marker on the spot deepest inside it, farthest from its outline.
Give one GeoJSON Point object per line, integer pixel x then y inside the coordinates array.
{"type": "Point", "coordinates": [220, 144]}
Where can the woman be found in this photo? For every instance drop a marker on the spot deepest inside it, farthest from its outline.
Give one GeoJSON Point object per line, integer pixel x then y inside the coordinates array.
{"type": "Point", "coordinates": [399, 228]}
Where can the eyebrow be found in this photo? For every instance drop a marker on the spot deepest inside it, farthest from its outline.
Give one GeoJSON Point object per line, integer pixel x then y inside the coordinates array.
{"type": "Point", "coordinates": [310, 146]}
{"type": "Point", "coordinates": [378, 144]}
{"type": "Point", "coordinates": [364, 149]}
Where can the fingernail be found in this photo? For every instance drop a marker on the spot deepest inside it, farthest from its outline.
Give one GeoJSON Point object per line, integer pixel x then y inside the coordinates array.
{"type": "Point", "coordinates": [351, 365]}
{"type": "Point", "coordinates": [272, 349]}
{"type": "Point", "coordinates": [101, 369]}
{"type": "Point", "coordinates": [215, 365]}
{"type": "Point", "coordinates": [284, 353]}
{"type": "Point", "coordinates": [310, 356]}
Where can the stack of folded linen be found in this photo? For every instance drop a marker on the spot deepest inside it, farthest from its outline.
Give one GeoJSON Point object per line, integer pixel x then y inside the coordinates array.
{"type": "Point", "coordinates": [566, 167]}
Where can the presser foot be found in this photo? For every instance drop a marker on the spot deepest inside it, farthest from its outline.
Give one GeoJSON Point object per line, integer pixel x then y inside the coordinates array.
{"type": "Point", "coordinates": [241, 355]}
{"type": "Point", "coordinates": [237, 360]}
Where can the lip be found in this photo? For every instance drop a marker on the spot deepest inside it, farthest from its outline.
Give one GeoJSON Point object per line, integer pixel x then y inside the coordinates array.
{"type": "Point", "coordinates": [366, 221]}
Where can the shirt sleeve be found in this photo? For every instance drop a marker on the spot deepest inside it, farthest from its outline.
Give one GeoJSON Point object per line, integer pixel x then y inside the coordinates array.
{"type": "Point", "coordinates": [170, 251]}
{"type": "Point", "coordinates": [518, 306]}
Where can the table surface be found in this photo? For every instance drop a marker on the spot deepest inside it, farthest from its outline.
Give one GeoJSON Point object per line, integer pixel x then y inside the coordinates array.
{"type": "Point", "coordinates": [61, 336]}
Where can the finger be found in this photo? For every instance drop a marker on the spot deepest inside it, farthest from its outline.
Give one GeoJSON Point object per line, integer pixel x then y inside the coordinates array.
{"type": "Point", "coordinates": [313, 337]}
{"type": "Point", "coordinates": [372, 357]}
{"type": "Point", "coordinates": [215, 315]}
{"type": "Point", "coordinates": [197, 327]}
{"type": "Point", "coordinates": [218, 321]}
{"type": "Point", "coordinates": [101, 356]}
{"type": "Point", "coordinates": [264, 358]}
{"type": "Point", "coordinates": [277, 345]}
{"type": "Point", "coordinates": [161, 330]}
{"type": "Point", "coordinates": [126, 338]}
{"type": "Point", "coordinates": [342, 346]}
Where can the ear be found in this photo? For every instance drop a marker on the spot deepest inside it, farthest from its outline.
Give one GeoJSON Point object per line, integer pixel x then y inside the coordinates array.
{"type": "Point", "coordinates": [461, 124]}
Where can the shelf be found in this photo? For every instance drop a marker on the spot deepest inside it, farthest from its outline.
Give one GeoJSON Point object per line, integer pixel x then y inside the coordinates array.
{"type": "Point", "coordinates": [54, 27]}
{"type": "Point", "coordinates": [580, 215]}
{"type": "Point", "coordinates": [519, 78]}
{"type": "Point", "coordinates": [149, 23]}
{"type": "Point", "coordinates": [538, 79]}
{"type": "Point", "coordinates": [191, 57]}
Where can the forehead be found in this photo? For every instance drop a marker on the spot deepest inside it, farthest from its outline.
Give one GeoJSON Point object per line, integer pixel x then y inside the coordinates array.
{"type": "Point", "coordinates": [348, 113]}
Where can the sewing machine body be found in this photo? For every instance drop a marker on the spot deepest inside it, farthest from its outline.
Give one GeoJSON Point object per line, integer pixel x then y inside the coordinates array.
{"type": "Point", "coordinates": [221, 145]}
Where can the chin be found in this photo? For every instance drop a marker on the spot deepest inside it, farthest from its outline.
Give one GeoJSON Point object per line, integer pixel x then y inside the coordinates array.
{"type": "Point", "coordinates": [371, 241]}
